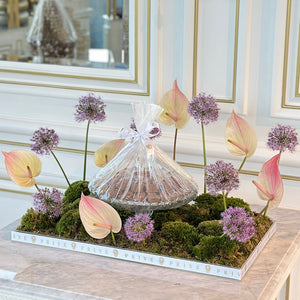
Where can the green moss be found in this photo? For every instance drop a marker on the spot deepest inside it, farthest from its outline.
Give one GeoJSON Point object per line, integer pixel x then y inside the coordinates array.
{"type": "Point", "coordinates": [70, 226]}
{"type": "Point", "coordinates": [193, 214]}
{"type": "Point", "coordinates": [214, 246]}
{"type": "Point", "coordinates": [34, 221]}
{"type": "Point", "coordinates": [162, 216]}
{"type": "Point", "coordinates": [74, 191]}
{"type": "Point", "coordinates": [180, 234]}
{"type": "Point", "coordinates": [210, 228]}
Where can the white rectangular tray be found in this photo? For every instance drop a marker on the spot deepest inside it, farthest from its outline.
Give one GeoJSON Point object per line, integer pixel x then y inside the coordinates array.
{"type": "Point", "coordinates": [144, 257]}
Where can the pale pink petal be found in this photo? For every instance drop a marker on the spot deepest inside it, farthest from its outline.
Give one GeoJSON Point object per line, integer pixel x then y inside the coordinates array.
{"type": "Point", "coordinates": [240, 136]}
{"type": "Point", "coordinates": [270, 181]}
{"type": "Point", "coordinates": [22, 166]}
{"type": "Point", "coordinates": [98, 217]}
{"type": "Point", "coordinates": [108, 151]}
{"type": "Point", "coordinates": [175, 105]}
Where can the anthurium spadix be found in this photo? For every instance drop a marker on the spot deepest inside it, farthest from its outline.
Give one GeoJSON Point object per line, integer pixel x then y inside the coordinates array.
{"type": "Point", "coordinates": [108, 151]}
{"type": "Point", "coordinates": [269, 183]}
{"type": "Point", "coordinates": [98, 218]}
{"type": "Point", "coordinates": [240, 136]}
{"type": "Point", "coordinates": [175, 105]}
{"type": "Point", "coordinates": [22, 166]}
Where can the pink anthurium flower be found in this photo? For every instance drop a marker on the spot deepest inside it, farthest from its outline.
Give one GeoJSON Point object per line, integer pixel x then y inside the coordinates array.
{"type": "Point", "coordinates": [269, 183]}
{"type": "Point", "coordinates": [108, 151]}
{"type": "Point", "coordinates": [98, 217]}
{"type": "Point", "coordinates": [22, 166]}
{"type": "Point", "coordinates": [240, 136]}
{"type": "Point", "coordinates": [175, 105]}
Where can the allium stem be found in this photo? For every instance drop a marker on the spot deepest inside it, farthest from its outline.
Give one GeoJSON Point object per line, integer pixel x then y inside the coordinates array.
{"type": "Point", "coordinates": [60, 167]}
{"type": "Point", "coordinates": [224, 200]}
{"type": "Point", "coordinates": [242, 164]}
{"type": "Point", "coordinates": [113, 238]}
{"type": "Point", "coordinates": [85, 149]}
{"type": "Point", "coordinates": [175, 141]}
{"type": "Point", "coordinates": [204, 153]}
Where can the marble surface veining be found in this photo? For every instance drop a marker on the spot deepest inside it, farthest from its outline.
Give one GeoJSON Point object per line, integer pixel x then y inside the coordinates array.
{"type": "Point", "coordinates": [49, 273]}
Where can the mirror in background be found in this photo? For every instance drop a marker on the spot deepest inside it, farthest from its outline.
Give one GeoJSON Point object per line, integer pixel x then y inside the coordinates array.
{"type": "Point", "coordinates": [87, 33]}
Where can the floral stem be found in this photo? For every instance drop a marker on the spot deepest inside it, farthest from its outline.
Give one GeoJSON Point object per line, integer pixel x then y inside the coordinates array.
{"type": "Point", "coordinates": [204, 154]}
{"type": "Point", "coordinates": [85, 149]}
{"type": "Point", "coordinates": [242, 164]}
{"type": "Point", "coordinates": [37, 187]}
{"type": "Point", "coordinates": [224, 201]}
{"type": "Point", "coordinates": [175, 141]}
{"type": "Point", "coordinates": [60, 167]}
{"type": "Point", "coordinates": [266, 208]}
{"type": "Point", "coordinates": [113, 238]}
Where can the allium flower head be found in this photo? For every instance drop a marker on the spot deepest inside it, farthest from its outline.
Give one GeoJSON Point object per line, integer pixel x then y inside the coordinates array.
{"type": "Point", "coordinates": [282, 137]}
{"type": "Point", "coordinates": [237, 224]}
{"type": "Point", "coordinates": [90, 108]}
{"type": "Point", "coordinates": [48, 202]}
{"type": "Point", "coordinates": [221, 177]}
{"type": "Point", "coordinates": [203, 108]}
{"type": "Point", "coordinates": [138, 227]}
{"type": "Point", "coordinates": [44, 141]}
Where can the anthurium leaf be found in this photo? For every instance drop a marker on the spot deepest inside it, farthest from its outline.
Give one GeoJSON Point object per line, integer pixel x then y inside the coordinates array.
{"type": "Point", "coordinates": [108, 151]}
{"type": "Point", "coordinates": [269, 183]}
{"type": "Point", "coordinates": [175, 105]}
{"type": "Point", "coordinates": [22, 166]}
{"type": "Point", "coordinates": [98, 217]}
{"type": "Point", "coordinates": [240, 137]}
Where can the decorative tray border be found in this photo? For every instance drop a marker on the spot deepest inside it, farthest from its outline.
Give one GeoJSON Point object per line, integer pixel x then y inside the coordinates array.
{"type": "Point", "coordinates": [145, 257]}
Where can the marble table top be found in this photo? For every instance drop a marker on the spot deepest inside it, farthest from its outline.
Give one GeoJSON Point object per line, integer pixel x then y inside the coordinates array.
{"type": "Point", "coordinates": [36, 272]}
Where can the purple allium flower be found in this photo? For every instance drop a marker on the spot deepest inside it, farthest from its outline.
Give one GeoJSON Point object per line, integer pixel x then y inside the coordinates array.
{"type": "Point", "coordinates": [90, 108]}
{"type": "Point", "coordinates": [282, 138]}
{"type": "Point", "coordinates": [203, 108]}
{"type": "Point", "coordinates": [138, 227]}
{"type": "Point", "coordinates": [221, 176]}
{"type": "Point", "coordinates": [44, 140]}
{"type": "Point", "coordinates": [237, 224]}
{"type": "Point", "coordinates": [49, 202]}
{"type": "Point", "coordinates": [132, 125]}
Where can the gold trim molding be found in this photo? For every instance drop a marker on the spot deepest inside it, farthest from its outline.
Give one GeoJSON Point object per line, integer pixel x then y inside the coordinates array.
{"type": "Point", "coordinates": [195, 60]}
{"type": "Point", "coordinates": [285, 60]}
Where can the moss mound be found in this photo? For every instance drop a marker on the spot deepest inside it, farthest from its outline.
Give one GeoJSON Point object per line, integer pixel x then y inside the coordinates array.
{"type": "Point", "coordinates": [191, 231]}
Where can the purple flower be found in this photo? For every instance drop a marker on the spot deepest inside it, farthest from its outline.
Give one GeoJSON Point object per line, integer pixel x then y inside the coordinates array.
{"type": "Point", "coordinates": [90, 108]}
{"type": "Point", "coordinates": [138, 227]}
{"type": "Point", "coordinates": [48, 202]}
{"type": "Point", "coordinates": [237, 224]}
{"type": "Point", "coordinates": [282, 138]}
{"type": "Point", "coordinates": [221, 177]}
{"type": "Point", "coordinates": [44, 140]}
{"type": "Point", "coordinates": [203, 108]}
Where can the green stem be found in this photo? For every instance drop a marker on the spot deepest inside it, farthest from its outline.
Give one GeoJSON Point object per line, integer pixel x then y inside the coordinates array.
{"type": "Point", "coordinates": [85, 149]}
{"type": "Point", "coordinates": [175, 141]}
{"type": "Point", "coordinates": [113, 238]}
{"type": "Point", "coordinates": [60, 167]}
{"type": "Point", "coordinates": [204, 154]}
{"type": "Point", "coordinates": [224, 201]}
{"type": "Point", "coordinates": [242, 164]}
{"type": "Point", "coordinates": [266, 208]}
{"type": "Point", "coordinates": [37, 187]}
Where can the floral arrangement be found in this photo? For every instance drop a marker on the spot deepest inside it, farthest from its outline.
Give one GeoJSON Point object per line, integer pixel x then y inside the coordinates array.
{"type": "Point", "coordinates": [213, 227]}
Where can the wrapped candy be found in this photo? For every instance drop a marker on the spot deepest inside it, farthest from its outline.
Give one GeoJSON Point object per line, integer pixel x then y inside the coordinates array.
{"type": "Point", "coordinates": [51, 35]}
{"type": "Point", "coordinates": [141, 177]}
